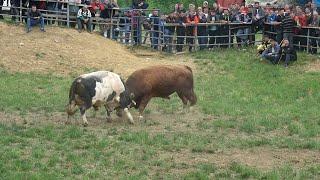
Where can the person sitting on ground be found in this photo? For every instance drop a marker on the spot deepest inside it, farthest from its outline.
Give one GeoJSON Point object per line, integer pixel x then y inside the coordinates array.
{"type": "Point", "coordinates": [264, 45]}
{"type": "Point", "coordinates": [84, 19]}
{"type": "Point", "coordinates": [34, 17]}
{"type": "Point", "coordinates": [288, 53]}
{"type": "Point", "coordinates": [272, 54]}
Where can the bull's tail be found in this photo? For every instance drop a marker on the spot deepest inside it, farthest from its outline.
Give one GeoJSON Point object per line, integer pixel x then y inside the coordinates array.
{"type": "Point", "coordinates": [72, 91]}
{"type": "Point", "coordinates": [71, 106]}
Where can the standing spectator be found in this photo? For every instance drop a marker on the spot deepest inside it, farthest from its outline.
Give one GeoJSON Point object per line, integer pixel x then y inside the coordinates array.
{"type": "Point", "coordinates": [136, 17]}
{"type": "Point", "coordinates": [213, 29]}
{"type": "Point", "coordinates": [219, 17]}
{"type": "Point", "coordinates": [242, 33]}
{"type": "Point", "coordinates": [272, 54]}
{"type": "Point", "coordinates": [34, 17]}
{"type": "Point", "coordinates": [125, 27]}
{"type": "Point", "coordinates": [202, 30]}
{"type": "Point", "coordinates": [258, 15]}
{"type": "Point", "coordinates": [181, 29]}
{"type": "Point", "coordinates": [314, 33]}
{"type": "Point", "coordinates": [169, 32]}
{"type": "Point", "coordinates": [288, 54]}
{"type": "Point", "coordinates": [287, 25]}
{"type": "Point", "coordinates": [155, 24]}
{"type": "Point", "coordinates": [301, 21]}
{"type": "Point", "coordinates": [308, 15]}
{"type": "Point", "coordinates": [95, 9]}
{"type": "Point", "coordinates": [279, 30]}
{"type": "Point", "coordinates": [84, 19]}
{"type": "Point", "coordinates": [139, 4]}
{"type": "Point", "coordinates": [192, 20]}
{"type": "Point", "coordinates": [224, 29]}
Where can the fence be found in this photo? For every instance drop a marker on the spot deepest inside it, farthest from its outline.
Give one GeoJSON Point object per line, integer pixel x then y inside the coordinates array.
{"type": "Point", "coordinates": [134, 27]}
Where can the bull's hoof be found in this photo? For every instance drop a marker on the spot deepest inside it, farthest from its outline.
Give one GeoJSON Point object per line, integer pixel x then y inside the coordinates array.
{"type": "Point", "coordinates": [141, 118]}
{"type": "Point", "coordinates": [85, 124]}
{"type": "Point", "coordinates": [109, 119]}
{"type": "Point", "coordinates": [131, 121]}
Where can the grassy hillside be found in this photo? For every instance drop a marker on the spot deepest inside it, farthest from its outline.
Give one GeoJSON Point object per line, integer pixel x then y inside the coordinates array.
{"type": "Point", "coordinates": [256, 121]}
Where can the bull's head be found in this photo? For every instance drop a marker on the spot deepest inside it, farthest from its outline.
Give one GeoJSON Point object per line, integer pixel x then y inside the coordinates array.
{"type": "Point", "coordinates": [126, 100]}
{"type": "Point", "coordinates": [71, 108]}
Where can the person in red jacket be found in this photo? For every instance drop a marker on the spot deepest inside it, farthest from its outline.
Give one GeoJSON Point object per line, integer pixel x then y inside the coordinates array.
{"type": "Point", "coordinates": [301, 21]}
{"type": "Point", "coordinates": [95, 8]}
{"type": "Point", "coordinates": [192, 20]}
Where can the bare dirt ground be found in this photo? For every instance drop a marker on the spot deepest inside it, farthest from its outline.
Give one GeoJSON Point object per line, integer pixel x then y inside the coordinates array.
{"type": "Point", "coordinates": [313, 66]}
{"type": "Point", "coordinates": [64, 52]}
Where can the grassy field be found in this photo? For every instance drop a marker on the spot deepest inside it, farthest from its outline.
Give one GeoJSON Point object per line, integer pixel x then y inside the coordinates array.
{"type": "Point", "coordinates": [253, 120]}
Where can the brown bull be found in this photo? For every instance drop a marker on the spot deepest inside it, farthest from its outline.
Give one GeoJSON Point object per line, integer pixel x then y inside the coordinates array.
{"type": "Point", "coordinates": [161, 81]}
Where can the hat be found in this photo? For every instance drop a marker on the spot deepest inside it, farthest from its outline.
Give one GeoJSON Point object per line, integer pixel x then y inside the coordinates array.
{"type": "Point", "coordinates": [192, 6]}
{"type": "Point", "coordinates": [205, 3]}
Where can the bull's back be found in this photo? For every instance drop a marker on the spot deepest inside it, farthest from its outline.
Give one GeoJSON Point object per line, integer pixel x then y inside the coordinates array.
{"type": "Point", "coordinates": [161, 80]}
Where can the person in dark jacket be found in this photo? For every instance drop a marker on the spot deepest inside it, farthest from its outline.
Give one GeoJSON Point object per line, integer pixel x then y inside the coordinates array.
{"type": "Point", "coordinates": [288, 53]}
{"type": "Point", "coordinates": [155, 24]}
{"type": "Point", "coordinates": [169, 32]}
{"type": "Point", "coordinates": [287, 25]}
{"type": "Point", "coordinates": [213, 29]}
{"type": "Point", "coordinates": [181, 29]}
{"type": "Point", "coordinates": [224, 29]}
{"type": "Point", "coordinates": [272, 53]}
{"type": "Point", "coordinates": [34, 17]}
{"type": "Point", "coordinates": [202, 30]}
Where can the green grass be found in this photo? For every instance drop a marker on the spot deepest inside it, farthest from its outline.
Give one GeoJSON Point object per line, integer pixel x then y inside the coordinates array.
{"type": "Point", "coordinates": [262, 97]}
{"type": "Point", "coordinates": [33, 92]}
{"type": "Point", "coordinates": [72, 151]}
{"type": "Point", "coordinates": [246, 105]}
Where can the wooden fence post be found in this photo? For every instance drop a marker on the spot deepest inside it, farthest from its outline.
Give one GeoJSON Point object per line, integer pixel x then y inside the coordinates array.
{"type": "Point", "coordinates": [68, 15]}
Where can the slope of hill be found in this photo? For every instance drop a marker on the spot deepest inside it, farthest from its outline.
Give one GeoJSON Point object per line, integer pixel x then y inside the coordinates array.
{"type": "Point", "coordinates": [64, 51]}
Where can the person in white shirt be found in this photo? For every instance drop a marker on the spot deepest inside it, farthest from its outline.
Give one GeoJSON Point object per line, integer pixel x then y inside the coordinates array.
{"type": "Point", "coordinates": [84, 19]}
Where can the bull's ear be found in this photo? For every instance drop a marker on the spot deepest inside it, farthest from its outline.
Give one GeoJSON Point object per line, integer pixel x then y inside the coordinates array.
{"type": "Point", "coordinates": [132, 96]}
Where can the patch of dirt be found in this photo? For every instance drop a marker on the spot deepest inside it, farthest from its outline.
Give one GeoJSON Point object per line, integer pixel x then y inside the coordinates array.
{"type": "Point", "coordinates": [262, 158]}
{"type": "Point", "coordinates": [64, 51]}
{"type": "Point", "coordinates": [314, 66]}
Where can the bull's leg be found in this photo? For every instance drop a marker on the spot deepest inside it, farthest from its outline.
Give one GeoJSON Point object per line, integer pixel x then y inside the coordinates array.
{"type": "Point", "coordinates": [109, 119]}
{"type": "Point", "coordinates": [143, 105]}
{"type": "Point", "coordinates": [129, 116]}
{"type": "Point", "coordinates": [184, 100]}
{"type": "Point", "coordinates": [83, 115]}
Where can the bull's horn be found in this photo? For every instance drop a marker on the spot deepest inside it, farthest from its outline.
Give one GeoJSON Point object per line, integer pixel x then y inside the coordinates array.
{"type": "Point", "coordinates": [134, 102]}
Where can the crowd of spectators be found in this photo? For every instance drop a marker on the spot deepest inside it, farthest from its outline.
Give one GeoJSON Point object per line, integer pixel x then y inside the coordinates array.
{"type": "Point", "coordinates": [207, 25]}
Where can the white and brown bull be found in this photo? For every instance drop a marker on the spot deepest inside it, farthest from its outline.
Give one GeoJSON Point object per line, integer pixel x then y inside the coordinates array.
{"type": "Point", "coordinates": [161, 81]}
{"type": "Point", "coordinates": [96, 89]}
